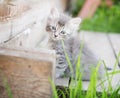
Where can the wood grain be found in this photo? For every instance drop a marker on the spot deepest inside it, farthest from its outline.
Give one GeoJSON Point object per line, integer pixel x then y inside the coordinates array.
{"type": "Point", "coordinates": [27, 74]}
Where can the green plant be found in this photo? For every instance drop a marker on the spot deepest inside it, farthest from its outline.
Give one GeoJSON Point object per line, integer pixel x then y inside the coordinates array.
{"type": "Point", "coordinates": [116, 1]}
{"type": "Point", "coordinates": [76, 6]}
{"type": "Point", "coordinates": [105, 20]}
{"type": "Point", "coordinates": [6, 85]}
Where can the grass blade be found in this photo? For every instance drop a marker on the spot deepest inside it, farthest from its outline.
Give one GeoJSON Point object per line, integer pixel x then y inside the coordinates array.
{"type": "Point", "coordinates": [55, 95]}
{"type": "Point", "coordinates": [67, 58]}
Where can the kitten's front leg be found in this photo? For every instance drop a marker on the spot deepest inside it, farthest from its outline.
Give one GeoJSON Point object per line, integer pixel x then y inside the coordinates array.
{"type": "Point", "coordinates": [60, 65]}
{"type": "Point", "coordinates": [60, 71]}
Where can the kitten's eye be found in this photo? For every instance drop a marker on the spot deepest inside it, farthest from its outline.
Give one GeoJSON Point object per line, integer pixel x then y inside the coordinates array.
{"type": "Point", "coordinates": [53, 28]}
{"type": "Point", "coordinates": [48, 28]}
{"type": "Point", "coordinates": [62, 32]}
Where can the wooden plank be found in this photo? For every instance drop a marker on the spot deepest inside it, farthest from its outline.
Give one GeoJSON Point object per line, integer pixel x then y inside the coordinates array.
{"type": "Point", "coordinates": [99, 44]}
{"type": "Point", "coordinates": [27, 72]}
{"type": "Point", "coordinates": [115, 40]}
{"type": "Point", "coordinates": [115, 83]}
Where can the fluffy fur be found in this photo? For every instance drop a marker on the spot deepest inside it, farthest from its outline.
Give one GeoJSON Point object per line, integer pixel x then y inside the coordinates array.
{"type": "Point", "coordinates": [62, 27]}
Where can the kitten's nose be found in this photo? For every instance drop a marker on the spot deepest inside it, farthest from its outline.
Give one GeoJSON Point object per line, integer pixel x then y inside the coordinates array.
{"type": "Point", "coordinates": [56, 35]}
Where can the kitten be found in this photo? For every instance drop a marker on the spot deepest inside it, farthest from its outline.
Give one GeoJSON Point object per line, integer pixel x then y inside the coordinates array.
{"type": "Point", "coordinates": [62, 27]}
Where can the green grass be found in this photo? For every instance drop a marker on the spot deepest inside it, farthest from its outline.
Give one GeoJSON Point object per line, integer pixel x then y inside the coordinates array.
{"type": "Point", "coordinates": [6, 85]}
{"type": "Point", "coordinates": [104, 20]}
{"type": "Point", "coordinates": [75, 90]}
{"type": "Point", "coordinates": [76, 6]}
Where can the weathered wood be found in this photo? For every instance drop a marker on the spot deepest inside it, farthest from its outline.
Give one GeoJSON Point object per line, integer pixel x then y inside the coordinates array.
{"type": "Point", "coordinates": [115, 41]}
{"type": "Point", "coordinates": [27, 72]}
{"type": "Point", "coordinates": [29, 25]}
{"type": "Point", "coordinates": [9, 10]}
{"type": "Point", "coordinates": [99, 44]}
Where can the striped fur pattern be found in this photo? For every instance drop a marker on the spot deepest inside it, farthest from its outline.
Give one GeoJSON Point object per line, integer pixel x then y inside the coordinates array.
{"type": "Point", "coordinates": [62, 27]}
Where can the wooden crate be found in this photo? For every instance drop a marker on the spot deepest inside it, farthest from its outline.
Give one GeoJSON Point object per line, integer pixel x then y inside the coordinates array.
{"type": "Point", "coordinates": [26, 73]}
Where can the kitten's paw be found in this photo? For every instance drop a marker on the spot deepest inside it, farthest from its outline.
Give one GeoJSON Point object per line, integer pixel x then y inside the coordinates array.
{"type": "Point", "coordinates": [57, 76]}
{"type": "Point", "coordinates": [60, 76]}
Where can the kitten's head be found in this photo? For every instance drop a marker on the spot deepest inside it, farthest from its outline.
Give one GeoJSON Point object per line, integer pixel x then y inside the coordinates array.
{"type": "Point", "coordinates": [60, 26]}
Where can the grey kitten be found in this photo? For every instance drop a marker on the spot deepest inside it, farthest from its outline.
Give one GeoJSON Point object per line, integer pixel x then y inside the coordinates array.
{"type": "Point", "coordinates": [62, 27]}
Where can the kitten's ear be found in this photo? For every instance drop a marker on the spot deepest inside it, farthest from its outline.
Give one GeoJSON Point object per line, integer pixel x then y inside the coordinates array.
{"type": "Point", "coordinates": [54, 14]}
{"type": "Point", "coordinates": [75, 22]}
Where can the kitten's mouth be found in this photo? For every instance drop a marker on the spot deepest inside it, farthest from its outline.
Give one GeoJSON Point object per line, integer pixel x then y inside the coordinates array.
{"type": "Point", "coordinates": [56, 38]}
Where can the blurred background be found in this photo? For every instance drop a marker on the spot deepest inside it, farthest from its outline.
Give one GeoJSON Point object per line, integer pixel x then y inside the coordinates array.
{"type": "Point", "coordinates": [97, 15]}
